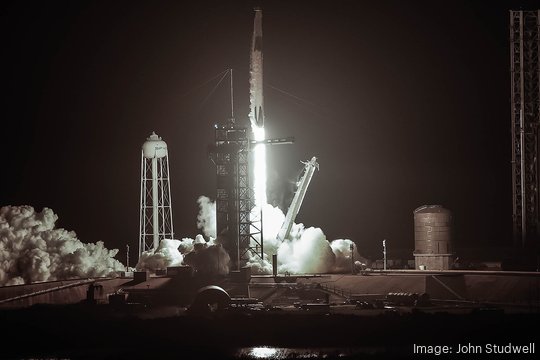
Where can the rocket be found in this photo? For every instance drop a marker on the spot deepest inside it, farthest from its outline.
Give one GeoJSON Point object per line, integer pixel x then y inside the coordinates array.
{"type": "Point", "coordinates": [256, 106]}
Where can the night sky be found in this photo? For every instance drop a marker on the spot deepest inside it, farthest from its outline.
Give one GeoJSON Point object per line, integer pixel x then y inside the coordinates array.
{"type": "Point", "coordinates": [404, 104]}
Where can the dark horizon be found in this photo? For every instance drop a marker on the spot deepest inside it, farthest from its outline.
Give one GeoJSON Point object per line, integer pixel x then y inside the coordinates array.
{"type": "Point", "coordinates": [403, 104]}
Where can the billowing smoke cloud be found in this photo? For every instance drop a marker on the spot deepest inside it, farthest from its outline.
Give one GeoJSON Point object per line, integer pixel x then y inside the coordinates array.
{"type": "Point", "coordinates": [208, 258]}
{"type": "Point", "coordinates": [167, 254]}
{"type": "Point", "coordinates": [33, 250]}
{"type": "Point", "coordinates": [206, 220]}
{"type": "Point", "coordinates": [306, 251]}
{"type": "Point", "coordinates": [342, 250]}
{"type": "Point", "coordinates": [186, 245]}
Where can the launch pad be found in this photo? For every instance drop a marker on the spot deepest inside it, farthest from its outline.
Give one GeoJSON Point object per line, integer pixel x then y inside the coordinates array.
{"type": "Point", "coordinates": [179, 288]}
{"type": "Point", "coordinates": [331, 315]}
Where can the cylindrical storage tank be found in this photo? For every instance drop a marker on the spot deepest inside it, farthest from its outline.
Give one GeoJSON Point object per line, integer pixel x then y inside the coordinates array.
{"type": "Point", "coordinates": [432, 230]}
{"type": "Point", "coordinates": [154, 147]}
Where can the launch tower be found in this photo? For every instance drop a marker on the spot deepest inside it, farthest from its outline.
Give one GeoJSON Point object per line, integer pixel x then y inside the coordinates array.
{"type": "Point", "coordinates": [525, 102]}
{"type": "Point", "coordinates": [239, 206]}
{"type": "Point", "coordinates": [234, 196]}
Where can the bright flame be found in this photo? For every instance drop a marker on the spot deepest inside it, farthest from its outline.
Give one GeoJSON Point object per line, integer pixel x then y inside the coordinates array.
{"type": "Point", "coordinates": [259, 167]}
{"type": "Point", "coordinates": [263, 352]}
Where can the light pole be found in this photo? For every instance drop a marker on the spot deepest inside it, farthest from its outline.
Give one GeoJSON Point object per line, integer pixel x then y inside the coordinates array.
{"type": "Point", "coordinates": [352, 258]}
{"type": "Point", "coordinates": [384, 253]}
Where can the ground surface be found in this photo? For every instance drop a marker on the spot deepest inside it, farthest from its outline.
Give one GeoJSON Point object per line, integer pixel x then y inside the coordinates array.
{"type": "Point", "coordinates": [102, 332]}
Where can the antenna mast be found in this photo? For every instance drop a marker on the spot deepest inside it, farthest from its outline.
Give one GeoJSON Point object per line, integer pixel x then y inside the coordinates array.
{"type": "Point", "coordinates": [232, 94]}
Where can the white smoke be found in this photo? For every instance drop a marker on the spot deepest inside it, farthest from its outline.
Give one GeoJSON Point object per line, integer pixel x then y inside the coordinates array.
{"type": "Point", "coordinates": [206, 257]}
{"type": "Point", "coordinates": [206, 220]}
{"type": "Point", "coordinates": [173, 252]}
{"type": "Point", "coordinates": [306, 250]}
{"type": "Point", "coordinates": [342, 250]}
{"type": "Point", "coordinates": [186, 245]}
{"type": "Point", "coordinates": [33, 250]}
{"type": "Point", "coordinates": [165, 255]}
{"type": "Point", "coordinates": [309, 253]}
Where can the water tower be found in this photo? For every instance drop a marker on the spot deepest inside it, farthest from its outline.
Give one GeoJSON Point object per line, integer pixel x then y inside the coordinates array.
{"type": "Point", "coordinates": [433, 237]}
{"type": "Point", "coordinates": [155, 211]}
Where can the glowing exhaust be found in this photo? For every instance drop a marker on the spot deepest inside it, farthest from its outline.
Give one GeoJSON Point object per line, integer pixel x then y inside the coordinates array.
{"type": "Point", "coordinates": [259, 169]}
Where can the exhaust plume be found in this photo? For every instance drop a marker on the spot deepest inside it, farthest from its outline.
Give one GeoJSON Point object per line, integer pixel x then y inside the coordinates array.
{"type": "Point", "coordinates": [306, 250]}
{"type": "Point", "coordinates": [206, 220]}
{"type": "Point", "coordinates": [208, 258]}
{"type": "Point", "coordinates": [33, 250]}
{"type": "Point", "coordinates": [165, 255]}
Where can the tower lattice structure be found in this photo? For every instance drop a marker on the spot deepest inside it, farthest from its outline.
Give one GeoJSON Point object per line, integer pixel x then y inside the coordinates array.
{"type": "Point", "coordinates": [525, 101]}
{"type": "Point", "coordinates": [155, 219]}
{"type": "Point", "coordinates": [236, 230]}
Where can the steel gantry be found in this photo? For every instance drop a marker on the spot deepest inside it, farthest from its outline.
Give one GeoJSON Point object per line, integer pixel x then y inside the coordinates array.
{"type": "Point", "coordinates": [525, 102]}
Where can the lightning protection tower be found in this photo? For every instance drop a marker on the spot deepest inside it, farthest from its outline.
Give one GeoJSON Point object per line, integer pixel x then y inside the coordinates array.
{"type": "Point", "coordinates": [525, 102]}
{"type": "Point", "coordinates": [155, 211]}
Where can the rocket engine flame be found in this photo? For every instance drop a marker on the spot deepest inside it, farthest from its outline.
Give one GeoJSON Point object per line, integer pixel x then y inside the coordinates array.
{"type": "Point", "coordinates": [259, 160]}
